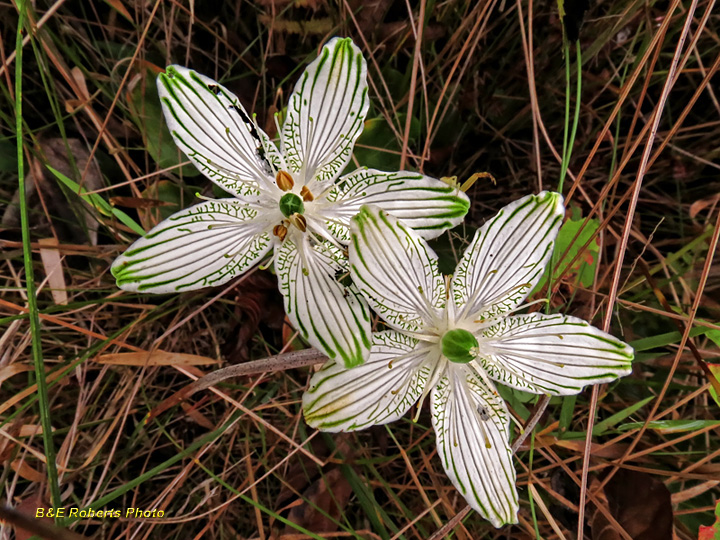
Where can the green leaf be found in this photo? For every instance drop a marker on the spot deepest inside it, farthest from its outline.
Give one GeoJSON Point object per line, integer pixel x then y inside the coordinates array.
{"type": "Point", "coordinates": [100, 204]}
{"type": "Point", "coordinates": [672, 426]}
{"type": "Point", "coordinates": [146, 112]}
{"type": "Point", "coordinates": [581, 271]}
{"type": "Point", "coordinates": [378, 147]}
{"type": "Point", "coordinates": [663, 340]}
{"type": "Point", "coordinates": [604, 425]}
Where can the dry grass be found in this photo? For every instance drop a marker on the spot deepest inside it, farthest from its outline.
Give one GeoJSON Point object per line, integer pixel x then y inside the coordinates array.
{"type": "Point", "coordinates": [482, 89]}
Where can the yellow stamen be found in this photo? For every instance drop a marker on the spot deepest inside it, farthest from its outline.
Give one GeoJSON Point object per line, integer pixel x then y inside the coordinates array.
{"type": "Point", "coordinates": [284, 181]}
{"type": "Point", "coordinates": [306, 194]}
{"type": "Point", "coordinates": [280, 231]}
{"type": "Point", "coordinates": [299, 221]}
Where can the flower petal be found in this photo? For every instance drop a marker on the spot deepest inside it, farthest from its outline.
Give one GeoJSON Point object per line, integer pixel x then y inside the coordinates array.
{"type": "Point", "coordinates": [395, 270]}
{"type": "Point", "coordinates": [202, 246]}
{"type": "Point", "coordinates": [210, 125]}
{"type": "Point", "coordinates": [552, 354]}
{"type": "Point", "coordinates": [326, 113]}
{"type": "Point", "coordinates": [331, 317]}
{"type": "Point", "coordinates": [378, 392]}
{"type": "Point", "coordinates": [472, 427]}
{"type": "Point", "coordinates": [427, 205]}
{"type": "Point", "coordinates": [507, 257]}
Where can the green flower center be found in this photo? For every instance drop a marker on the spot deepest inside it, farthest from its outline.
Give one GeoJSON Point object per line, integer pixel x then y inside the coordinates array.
{"type": "Point", "coordinates": [291, 204]}
{"type": "Point", "coordinates": [457, 346]}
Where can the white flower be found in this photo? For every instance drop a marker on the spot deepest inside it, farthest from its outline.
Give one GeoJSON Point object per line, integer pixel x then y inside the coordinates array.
{"type": "Point", "coordinates": [292, 200]}
{"type": "Point", "coordinates": [448, 338]}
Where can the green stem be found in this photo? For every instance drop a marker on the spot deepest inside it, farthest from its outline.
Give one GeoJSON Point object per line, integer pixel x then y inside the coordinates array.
{"type": "Point", "coordinates": [568, 144]}
{"type": "Point", "coordinates": [39, 365]}
{"type": "Point", "coordinates": [530, 495]}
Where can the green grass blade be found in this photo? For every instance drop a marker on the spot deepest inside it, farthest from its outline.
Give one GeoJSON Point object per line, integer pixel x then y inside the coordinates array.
{"type": "Point", "coordinates": [39, 364]}
{"type": "Point", "coordinates": [98, 202]}
{"type": "Point", "coordinates": [609, 422]}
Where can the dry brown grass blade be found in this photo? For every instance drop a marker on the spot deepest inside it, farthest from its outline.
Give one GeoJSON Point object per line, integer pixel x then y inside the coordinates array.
{"type": "Point", "coordinates": [289, 360]}
{"type": "Point", "coordinates": [154, 358]}
{"type": "Point", "coordinates": [642, 169]}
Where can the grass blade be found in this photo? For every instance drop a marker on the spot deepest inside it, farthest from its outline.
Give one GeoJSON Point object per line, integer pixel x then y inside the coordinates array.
{"type": "Point", "coordinates": [37, 353]}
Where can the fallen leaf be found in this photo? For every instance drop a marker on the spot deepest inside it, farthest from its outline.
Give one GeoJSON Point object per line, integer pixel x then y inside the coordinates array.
{"type": "Point", "coordinates": [702, 204]}
{"type": "Point", "coordinates": [28, 507]}
{"type": "Point", "coordinates": [197, 416]}
{"type": "Point", "coordinates": [711, 532]}
{"type": "Point", "coordinates": [29, 430]}
{"type": "Point", "coordinates": [72, 218]}
{"type": "Point", "coordinates": [154, 358]}
{"type": "Point", "coordinates": [327, 489]}
{"type": "Point", "coordinates": [52, 263]}
{"type": "Point", "coordinates": [257, 303]}
{"type": "Point", "coordinates": [321, 505]}
{"type": "Point", "coordinates": [21, 467]}
{"type": "Point", "coordinates": [640, 503]}
{"type": "Point", "coordinates": [12, 370]}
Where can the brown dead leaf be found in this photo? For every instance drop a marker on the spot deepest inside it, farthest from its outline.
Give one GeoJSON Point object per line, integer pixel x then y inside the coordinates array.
{"type": "Point", "coordinates": [52, 263]}
{"type": "Point", "coordinates": [327, 490]}
{"type": "Point", "coordinates": [702, 204]}
{"type": "Point", "coordinates": [321, 505]}
{"type": "Point", "coordinates": [370, 14]}
{"type": "Point", "coordinates": [28, 507]}
{"type": "Point", "coordinates": [614, 451]}
{"type": "Point", "coordinates": [257, 303]}
{"type": "Point", "coordinates": [21, 467]}
{"type": "Point", "coordinates": [76, 222]}
{"type": "Point", "coordinates": [154, 358]}
{"type": "Point", "coordinates": [197, 416]}
{"type": "Point", "coordinates": [26, 524]}
{"type": "Point", "coordinates": [12, 370]}
{"type": "Point", "coordinates": [640, 503]}
{"type": "Point", "coordinates": [29, 430]}
{"type": "Point", "coordinates": [80, 83]}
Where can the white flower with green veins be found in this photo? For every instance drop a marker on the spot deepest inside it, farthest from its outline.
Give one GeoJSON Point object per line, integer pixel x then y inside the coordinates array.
{"type": "Point", "coordinates": [291, 200]}
{"type": "Point", "coordinates": [450, 337]}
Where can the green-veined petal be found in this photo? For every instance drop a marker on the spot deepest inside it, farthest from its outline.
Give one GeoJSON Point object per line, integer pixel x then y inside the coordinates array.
{"type": "Point", "coordinates": [395, 270]}
{"type": "Point", "coordinates": [333, 318]}
{"type": "Point", "coordinates": [378, 392]}
{"type": "Point", "coordinates": [472, 427]}
{"type": "Point", "coordinates": [507, 256]}
{"type": "Point", "coordinates": [210, 125]}
{"type": "Point", "coordinates": [552, 354]}
{"type": "Point", "coordinates": [204, 245]}
{"type": "Point", "coordinates": [426, 204]}
{"type": "Point", "coordinates": [326, 113]}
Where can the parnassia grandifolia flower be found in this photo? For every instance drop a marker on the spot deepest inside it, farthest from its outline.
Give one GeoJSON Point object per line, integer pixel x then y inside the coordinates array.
{"type": "Point", "coordinates": [450, 338]}
{"type": "Point", "coordinates": [289, 203]}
